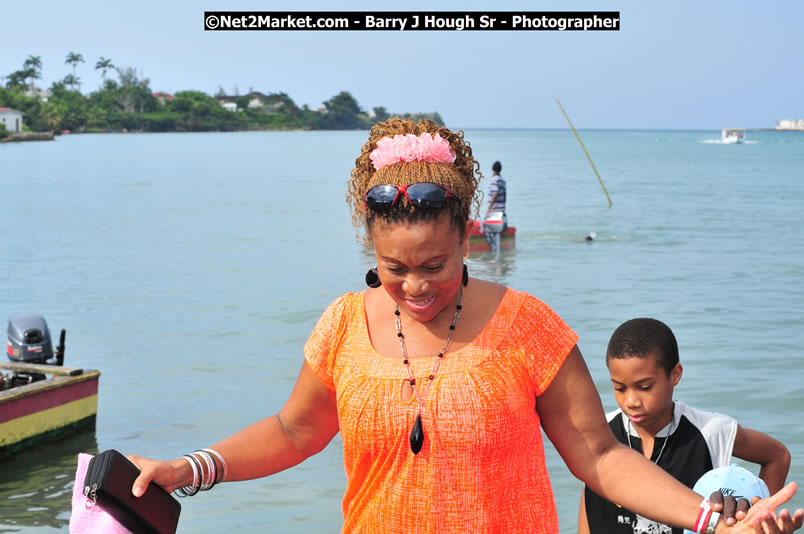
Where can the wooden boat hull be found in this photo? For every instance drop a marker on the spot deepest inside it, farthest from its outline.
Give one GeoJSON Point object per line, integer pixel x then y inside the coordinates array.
{"type": "Point", "coordinates": [45, 409]}
{"type": "Point", "coordinates": [478, 243]}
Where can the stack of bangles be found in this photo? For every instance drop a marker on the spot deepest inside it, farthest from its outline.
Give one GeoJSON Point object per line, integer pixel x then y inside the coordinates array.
{"type": "Point", "coordinates": [707, 519]}
{"type": "Point", "coordinates": [205, 472]}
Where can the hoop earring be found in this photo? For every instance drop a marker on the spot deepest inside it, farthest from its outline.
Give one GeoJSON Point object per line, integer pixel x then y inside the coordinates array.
{"type": "Point", "coordinates": [465, 279]}
{"type": "Point", "coordinates": [373, 278]}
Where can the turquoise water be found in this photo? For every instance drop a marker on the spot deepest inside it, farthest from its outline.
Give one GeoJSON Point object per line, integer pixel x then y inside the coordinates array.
{"type": "Point", "coordinates": [190, 268]}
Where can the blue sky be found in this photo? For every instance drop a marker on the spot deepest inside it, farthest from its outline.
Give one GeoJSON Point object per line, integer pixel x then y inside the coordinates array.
{"type": "Point", "coordinates": [673, 65]}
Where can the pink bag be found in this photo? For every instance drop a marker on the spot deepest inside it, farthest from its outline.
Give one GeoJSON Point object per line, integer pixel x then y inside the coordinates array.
{"type": "Point", "coordinates": [94, 519]}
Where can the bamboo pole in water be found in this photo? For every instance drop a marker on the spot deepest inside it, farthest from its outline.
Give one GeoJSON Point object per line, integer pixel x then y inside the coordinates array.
{"type": "Point", "coordinates": [584, 150]}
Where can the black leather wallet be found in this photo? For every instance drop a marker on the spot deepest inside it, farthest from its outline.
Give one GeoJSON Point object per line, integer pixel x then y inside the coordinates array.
{"type": "Point", "coordinates": [109, 479]}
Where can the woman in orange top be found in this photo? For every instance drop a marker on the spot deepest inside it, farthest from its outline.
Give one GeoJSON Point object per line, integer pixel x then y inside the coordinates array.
{"type": "Point", "coordinates": [440, 384]}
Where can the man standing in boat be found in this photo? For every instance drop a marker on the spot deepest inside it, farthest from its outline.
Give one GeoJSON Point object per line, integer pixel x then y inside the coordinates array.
{"type": "Point", "coordinates": [496, 221]}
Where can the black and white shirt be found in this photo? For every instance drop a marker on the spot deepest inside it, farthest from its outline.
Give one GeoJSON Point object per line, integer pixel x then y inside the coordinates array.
{"type": "Point", "coordinates": [497, 186]}
{"type": "Point", "coordinates": [700, 442]}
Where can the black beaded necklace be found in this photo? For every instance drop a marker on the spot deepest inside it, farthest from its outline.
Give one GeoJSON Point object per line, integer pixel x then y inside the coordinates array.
{"type": "Point", "coordinates": [417, 434]}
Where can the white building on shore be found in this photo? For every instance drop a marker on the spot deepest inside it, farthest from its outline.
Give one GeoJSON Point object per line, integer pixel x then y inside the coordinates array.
{"type": "Point", "coordinates": [11, 119]}
{"type": "Point", "coordinates": [790, 124]}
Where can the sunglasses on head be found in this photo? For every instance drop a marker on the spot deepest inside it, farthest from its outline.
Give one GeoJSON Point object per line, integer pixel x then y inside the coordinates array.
{"type": "Point", "coordinates": [421, 195]}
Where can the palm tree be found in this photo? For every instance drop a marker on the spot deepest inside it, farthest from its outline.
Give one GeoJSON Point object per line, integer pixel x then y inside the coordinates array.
{"type": "Point", "coordinates": [33, 65]}
{"type": "Point", "coordinates": [72, 80]}
{"type": "Point", "coordinates": [103, 64]}
{"type": "Point", "coordinates": [33, 74]}
{"type": "Point", "coordinates": [16, 79]}
{"type": "Point", "coordinates": [74, 59]}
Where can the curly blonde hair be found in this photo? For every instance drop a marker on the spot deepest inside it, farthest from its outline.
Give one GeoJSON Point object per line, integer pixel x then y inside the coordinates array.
{"type": "Point", "coordinates": [461, 177]}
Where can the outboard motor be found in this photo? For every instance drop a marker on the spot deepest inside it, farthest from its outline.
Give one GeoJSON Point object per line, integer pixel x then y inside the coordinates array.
{"type": "Point", "coordinates": [29, 341]}
{"type": "Point", "coordinates": [494, 225]}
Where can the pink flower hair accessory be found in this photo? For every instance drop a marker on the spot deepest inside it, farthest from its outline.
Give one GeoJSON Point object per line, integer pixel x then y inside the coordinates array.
{"type": "Point", "coordinates": [409, 147]}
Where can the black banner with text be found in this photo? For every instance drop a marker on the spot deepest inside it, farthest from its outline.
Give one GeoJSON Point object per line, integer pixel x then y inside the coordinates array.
{"type": "Point", "coordinates": [412, 21]}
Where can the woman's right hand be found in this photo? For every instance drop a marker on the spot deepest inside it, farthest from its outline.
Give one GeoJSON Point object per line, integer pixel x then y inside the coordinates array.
{"type": "Point", "coordinates": [169, 474]}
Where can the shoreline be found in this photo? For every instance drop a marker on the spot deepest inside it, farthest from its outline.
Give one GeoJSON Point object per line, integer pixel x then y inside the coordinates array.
{"type": "Point", "coordinates": [50, 136]}
{"type": "Point", "coordinates": [28, 136]}
{"type": "Point", "coordinates": [776, 129]}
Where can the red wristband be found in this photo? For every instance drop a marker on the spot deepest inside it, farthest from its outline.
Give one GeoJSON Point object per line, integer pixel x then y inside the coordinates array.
{"type": "Point", "coordinates": [704, 514]}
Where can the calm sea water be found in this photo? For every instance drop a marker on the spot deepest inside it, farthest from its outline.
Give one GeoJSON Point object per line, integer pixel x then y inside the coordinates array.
{"type": "Point", "coordinates": [190, 269]}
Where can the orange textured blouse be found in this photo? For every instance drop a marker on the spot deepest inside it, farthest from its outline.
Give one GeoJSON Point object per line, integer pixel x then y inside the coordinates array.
{"type": "Point", "coordinates": [482, 465]}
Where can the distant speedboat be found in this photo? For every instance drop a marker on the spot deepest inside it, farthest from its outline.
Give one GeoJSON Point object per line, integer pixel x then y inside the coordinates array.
{"type": "Point", "coordinates": [730, 136]}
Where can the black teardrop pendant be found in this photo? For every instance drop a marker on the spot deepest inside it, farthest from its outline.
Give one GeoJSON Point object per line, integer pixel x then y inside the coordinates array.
{"type": "Point", "coordinates": [417, 435]}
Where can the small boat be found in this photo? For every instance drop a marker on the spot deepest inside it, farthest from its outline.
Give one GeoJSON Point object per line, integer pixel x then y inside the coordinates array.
{"type": "Point", "coordinates": [479, 243]}
{"type": "Point", "coordinates": [41, 400]}
{"type": "Point", "coordinates": [732, 135]}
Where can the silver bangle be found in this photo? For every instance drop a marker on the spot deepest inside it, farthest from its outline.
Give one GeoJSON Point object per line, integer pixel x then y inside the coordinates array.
{"type": "Point", "coordinates": [210, 476]}
{"type": "Point", "coordinates": [189, 491]}
{"type": "Point", "coordinates": [203, 479]}
{"type": "Point", "coordinates": [710, 529]}
{"type": "Point", "coordinates": [223, 463]}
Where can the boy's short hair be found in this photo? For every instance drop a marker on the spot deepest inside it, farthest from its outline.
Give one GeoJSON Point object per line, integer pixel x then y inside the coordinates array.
{"type": "Point", "coordinates": [641, 337]}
